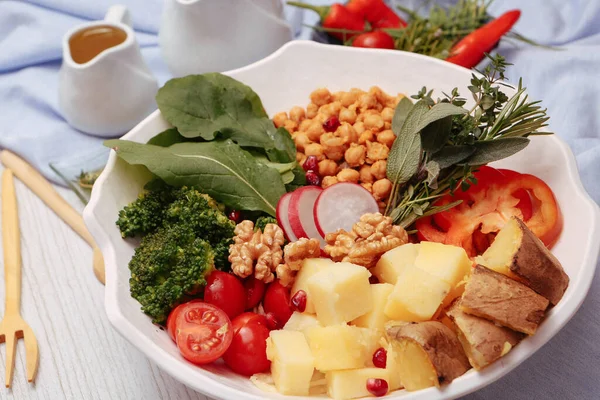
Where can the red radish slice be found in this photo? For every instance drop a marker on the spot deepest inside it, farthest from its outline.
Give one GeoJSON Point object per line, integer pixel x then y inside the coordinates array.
{"type": "Point", "coordinates": [300, 213]}
{"type": "Point", "coordinates": [283, 220]}
{"type": "Point", "coordinates": [341, 205]}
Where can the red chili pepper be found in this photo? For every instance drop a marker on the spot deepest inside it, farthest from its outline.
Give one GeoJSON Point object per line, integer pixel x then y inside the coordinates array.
{"type": "Point", "coordinates": [469, 51]}
{"type": "Point", "coordinates": [374, 40]}
{"type": "Point", "coordinates": [336, 16]}
{"type": "Point", "coordinates": [377, 13]}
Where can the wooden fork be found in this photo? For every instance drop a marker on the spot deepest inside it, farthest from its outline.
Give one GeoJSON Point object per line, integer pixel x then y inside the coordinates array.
{"type": "Point", "coordinates": [13, 326]}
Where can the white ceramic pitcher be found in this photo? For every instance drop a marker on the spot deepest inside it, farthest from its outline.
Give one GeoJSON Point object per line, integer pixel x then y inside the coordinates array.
{"type": "Point", "coordinates": [198, 36]}
{"type": "Point", "coordinates": [112, 92]}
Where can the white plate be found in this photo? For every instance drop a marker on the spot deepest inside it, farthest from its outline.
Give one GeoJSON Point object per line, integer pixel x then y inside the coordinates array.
{"type": "Point", "coordinates": [283, 80]}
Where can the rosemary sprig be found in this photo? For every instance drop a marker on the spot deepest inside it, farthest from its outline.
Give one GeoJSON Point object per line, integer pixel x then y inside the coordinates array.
{"type": "Point", "coordinates": [494, 128]}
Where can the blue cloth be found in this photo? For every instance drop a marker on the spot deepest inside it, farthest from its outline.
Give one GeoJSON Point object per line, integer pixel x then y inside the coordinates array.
{"type": "Point", "coordinates": [31, 125]}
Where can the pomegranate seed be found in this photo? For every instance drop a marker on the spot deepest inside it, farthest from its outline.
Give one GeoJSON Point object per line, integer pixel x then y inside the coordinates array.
{"type": "Point", "coordinates": [272, 322]}
{"type": "Point", "coordinates": [313, 178]}
{"type": "Point", "coordinates": [331, 124]}
{"type": "Point", "coordinates": [377, 387]}
{"type": "Point", "coordinates": [235, 216]}
{"type": "Point", "coordinates": [380, 358]}
{"type": "Point", "coordinates": [298, 300]}
{"type": "Point", "coordinates": [311, 163]}
{"type": "Point", "coordinates": [373, 279]}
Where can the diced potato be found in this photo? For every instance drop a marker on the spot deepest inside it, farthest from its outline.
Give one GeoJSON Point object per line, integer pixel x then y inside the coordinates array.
{"type": "Point", "coordinates": [393, 367]}
{"type": "Point", "coordinates": [416, 296]}
{"type": "Point", "coordinates": [310, 266]}
{"type": "Point", "coordinates": [300, 322]}
{"type": "Point", "coordinates": [455, 293]}
{"type": "Point", "coordinates": [449, 263]}
{"type": "Point", "coordinates": [352, 384]}
{"type": "Point", "coordinates": [340, 293]}
{"type": "Point", "coordinates": [429, 354]}
{"type": "Point", "coordinates": [292, 363]}
{"type": "Point", "coordinates": [264, 381]}
{"type": "Point", "coordinates": [341, 346]}
{"type": "Point", "coordinates": [496, 297]}
{"type": "Point", "coordinates": [376, 318]}
{"type": "Point", "coordinates": [393, 262]}
{"type": "Point", "coordinates": [517, 253]}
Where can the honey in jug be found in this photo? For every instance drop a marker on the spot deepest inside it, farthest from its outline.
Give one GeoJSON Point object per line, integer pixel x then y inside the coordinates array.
{"type": "Point", "coordinates": [88, 43]}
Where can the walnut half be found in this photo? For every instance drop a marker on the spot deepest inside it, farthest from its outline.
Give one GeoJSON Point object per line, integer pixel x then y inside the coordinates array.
{"type": "Point", "coordinates": [294, 253]}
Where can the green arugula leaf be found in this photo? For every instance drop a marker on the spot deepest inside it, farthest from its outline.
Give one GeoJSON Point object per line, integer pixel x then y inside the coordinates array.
{"type": "Point", "coordinates": [220, 169]}
{"type": "Point", "coordinates": [167, 138]}
{"type": "Point", "coordinates": [493, 150]}
{"type": "Point", "coordinates": [299, 179]}
{"type": "Point", "coordinates": [402, 109]}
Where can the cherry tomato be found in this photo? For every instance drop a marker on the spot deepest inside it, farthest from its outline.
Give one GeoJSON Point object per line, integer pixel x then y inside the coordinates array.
{"type": "Point", "coordinates": [255, 290]}
{"type": "Point", "coordinates": [204, 332]}
{"type": "Point", "coordinates": [277, 302]}
{"type": "Point", "coordinates": [247, 354]}
{"type": "Point", "coordinates": [226, 292]}
{"type": "Point", "coordinates": [246, 318]}
{"type": "Point", "coordinates": [374, 40]}
{"type": "Point", "coordinates": [173, 316]}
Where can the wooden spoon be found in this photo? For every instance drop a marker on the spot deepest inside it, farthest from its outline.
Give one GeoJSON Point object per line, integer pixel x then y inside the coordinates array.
{"type": "Point", "coordinates": [44, 190]}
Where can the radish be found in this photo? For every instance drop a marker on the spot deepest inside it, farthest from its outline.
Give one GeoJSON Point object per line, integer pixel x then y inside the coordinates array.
{"type": "Point", "coordinates": [300, 213]}
{"type": "Point", "coordinates": [341, 205]}
{"type": "Point", "coordinates": [283, 220]}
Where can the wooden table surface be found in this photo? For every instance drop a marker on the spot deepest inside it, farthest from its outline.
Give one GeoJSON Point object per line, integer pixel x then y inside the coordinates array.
{"type": "Point", "coordinates": [82, 357]}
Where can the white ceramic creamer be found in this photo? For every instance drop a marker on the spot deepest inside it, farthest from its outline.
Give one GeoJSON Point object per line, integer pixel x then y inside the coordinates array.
{"type": "Point", "coordinates": [198, 36]}
{"type": "Point", "coordinates": [109, 93]}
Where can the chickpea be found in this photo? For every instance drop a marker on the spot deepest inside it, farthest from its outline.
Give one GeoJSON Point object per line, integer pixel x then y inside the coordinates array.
{"type": "Point", "coordinates": [280, 118]}
{"type": "Point", "coordinates": [347, 132]}
{"type": "Point", "coordinates": [297, 114]}
{"type": "Point", "coordinates": [330, 109]}
{"type": "Point", "coordinates": [327, 168]}
{"type": "Point", "coordinates": [320, 96]}
{"type": "Point", "coordinates": [366, 136]}
{"type": "Point", "coordinates": [290, 125]}
{"type": "Point", "coordinates": [301, 140]}
{"type": "Point", "coordinates": [355, 155]}
{"type": "Point", "coordinates": [303, 127]}
{"type": "Point", "coordinates": [381, 96]}
{"type": "Point", "coordinates": [359, 127]}
{"type": "Point", "coordinates": [300, 158]}
{"type": "Point", "coordinates": [335, 153]}
{"type": "Point", "coordinates": [366, 101]}
{"type": "Point", "coordinates": [311, 110]}
{"type": "Point", "coordinates": [328, 181]}
{"type": "Point", "coordinates": [347, 115]}
{"type": "Point", "coordinates": [387, 114]}
{"type": "Point", "coordinates": [387, 125]}
{"type": "Point", "coordinates": [348, 98]}
{"type": "Point", "coordinates": [386, 137]}
{"type": "Point", "coordinates": [376, 151]}
{"type": "Point", "coordinates": [368, 186]}
{"type": "Point", "coordinates": [382, 189]}
{"type": "Point", "coordinates": [314, 131]}
{"type": "Point", "coordinates": [374, 122]}
{"type": "Point", "coordinates": [378, 169]}
{"type": "Point", "coordinates": [315, 149]}
{"type": "Point", "coordinates": [336, 96]}
{"type": "Point", "coordinates": [348, 175]}
{"type": "Point", "coordinates": [366, 176]}
{"type": "Point", "coordinates": [330, 139]}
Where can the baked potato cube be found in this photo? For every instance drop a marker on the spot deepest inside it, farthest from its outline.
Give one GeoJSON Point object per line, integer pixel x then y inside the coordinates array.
{"type": "Point", "coordinates": [352, 383]}
{"type": "Point", "coordinates": [300, 322]}
{"type": "Point", "coordinates": [376, 318]}
{"type": "Point", "coordinates": [310, 266]}
{"type": "Point", "coordinates": [341, 346]}
{"type": "Point", "coordinates": [429, 354]}
{"type": "Point", "coordinates": [496, 297]}
{"type": "Point", "coordinates": [483, 341]}
{"type": "Point", "coordinates": [393, 262]}
{"type": "Point", "coordinates": [340, 293]}
{"type": "Point", "coordinates": [292, 363]}
{"type": "Point", "coordinates": [518, 253]}
{"type": "Point", "coordinates": [447, 262]}
{"type": "Point", "coordinates": [416, 296]}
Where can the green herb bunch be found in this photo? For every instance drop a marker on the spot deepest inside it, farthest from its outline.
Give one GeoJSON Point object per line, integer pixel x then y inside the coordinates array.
{"type": "Point", "coordinates": [440, 143]}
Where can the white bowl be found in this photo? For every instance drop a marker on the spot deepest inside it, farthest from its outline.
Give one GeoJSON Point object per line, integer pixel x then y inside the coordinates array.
{"type": "Point", "coordinates": [283, 80]}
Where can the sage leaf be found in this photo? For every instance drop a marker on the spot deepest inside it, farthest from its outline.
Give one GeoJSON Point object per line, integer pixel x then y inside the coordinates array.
{"type": "Point", "coordinates": [167, 138]}
{"type": "Point", "coordinates": [433, 171]}
{"type": "Point", "coordinates": [439, 111]}
{"type": "Point", "coordinates": [220, 169]}
{"type": "Point", "coordinates": [435, 135]}
{"type": "Point", "coordinates": [493, 150]}
{"type": "Point", "coordinates": [405, 154]}
{"type": "Point", "coordinates": [450, 155]}
{"type": "Point", "coordinates": [402, 109]}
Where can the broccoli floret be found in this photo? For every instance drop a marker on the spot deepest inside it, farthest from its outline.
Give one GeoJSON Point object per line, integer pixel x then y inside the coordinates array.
{"type": "Point", "coordinates": [261, 222]}
{"type": "Point", "coordinates": [170, 264]}
{"type": "Point", "coordinates": [146, 214]}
